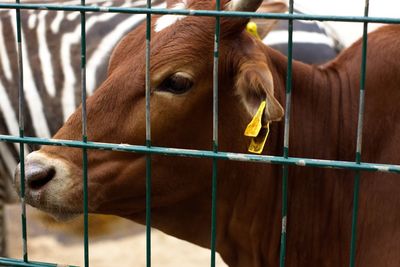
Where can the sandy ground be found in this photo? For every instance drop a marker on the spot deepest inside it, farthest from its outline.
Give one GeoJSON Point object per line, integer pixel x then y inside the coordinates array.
{"type": "Point", "coordinates": [114, 242]}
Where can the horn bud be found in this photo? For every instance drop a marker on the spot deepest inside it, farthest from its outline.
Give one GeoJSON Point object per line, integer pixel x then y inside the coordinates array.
{"type": "Point", "coordinates": [244, 5]}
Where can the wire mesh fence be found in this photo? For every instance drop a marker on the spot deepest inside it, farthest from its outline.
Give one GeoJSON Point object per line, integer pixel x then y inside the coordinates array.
{"type": "Point", "coordinates": [285, 160]}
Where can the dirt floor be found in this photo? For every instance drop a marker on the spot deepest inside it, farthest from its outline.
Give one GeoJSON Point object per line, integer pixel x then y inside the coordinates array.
{"type": "Point", "coordinates": [113, 242]}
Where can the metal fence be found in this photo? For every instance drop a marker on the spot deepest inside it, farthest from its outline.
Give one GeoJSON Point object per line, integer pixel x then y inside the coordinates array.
{"type": "Point", "coordinates": [357, 166]}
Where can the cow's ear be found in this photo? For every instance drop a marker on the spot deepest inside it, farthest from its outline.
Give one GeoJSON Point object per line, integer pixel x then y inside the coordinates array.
{"type": "Point", "coordinates": [236, 26]}
{"type": "Point", "coordinates": [264, 26]}
{"type": "Point", "coordinates": [255, 84]}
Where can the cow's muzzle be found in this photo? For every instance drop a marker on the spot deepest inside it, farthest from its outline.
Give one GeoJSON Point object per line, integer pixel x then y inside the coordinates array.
{"type": "Point", "coordinates": [50, 185]}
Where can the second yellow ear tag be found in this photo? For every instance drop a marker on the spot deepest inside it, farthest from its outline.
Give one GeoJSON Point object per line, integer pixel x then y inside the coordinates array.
{"type": "Point", "coordinates": [257, 143]}
{"type": "Point", "coordinates": [254, 127]}
{"type": "Point", "coordinates": [251, 28]}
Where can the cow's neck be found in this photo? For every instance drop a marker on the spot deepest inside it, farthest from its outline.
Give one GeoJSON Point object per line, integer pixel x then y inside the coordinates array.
{"type": "Point", "coordinates": [324, 110]}
{"type": "Point", "coordinates": [250, 212]}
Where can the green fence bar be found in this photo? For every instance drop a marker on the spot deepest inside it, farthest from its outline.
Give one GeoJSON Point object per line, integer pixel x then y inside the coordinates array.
{"type": "Point", "coordinates": [215, 136]}
{"type": "Point", "coordinates": [148, 139]}
{"type": "Point", "coordinates": [207, 13]}
{"type": "Point", "coordinates": [21, 106]}
{"type": "Point", "coordinates": [320, 163]}
{"type": "Point", "coordinates": [15, 262]}
{"type": "Point", "coordinates": [359, 139]}
{"type": "Point", "coordinates": [84, 139]}
{"type": "Point", "coordinates": [288, 105]}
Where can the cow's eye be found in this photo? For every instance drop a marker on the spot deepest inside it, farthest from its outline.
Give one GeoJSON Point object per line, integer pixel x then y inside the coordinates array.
{"type": "Point", "coordinates": [177, 83]}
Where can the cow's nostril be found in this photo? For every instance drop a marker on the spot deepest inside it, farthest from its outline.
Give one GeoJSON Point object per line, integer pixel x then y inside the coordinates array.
{"type": "Point", "coordinates": [38, 175]}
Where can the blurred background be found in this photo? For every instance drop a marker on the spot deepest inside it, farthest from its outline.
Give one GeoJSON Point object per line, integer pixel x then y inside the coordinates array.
{"type": "Point", "coordinates": [349, 32]}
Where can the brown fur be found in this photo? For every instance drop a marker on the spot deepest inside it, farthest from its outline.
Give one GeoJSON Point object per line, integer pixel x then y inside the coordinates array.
{"type": "Point", "coordinates": [324, 120]}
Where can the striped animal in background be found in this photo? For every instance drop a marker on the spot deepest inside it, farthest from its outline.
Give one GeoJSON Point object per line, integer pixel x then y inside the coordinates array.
{"type": "Point", "coordinates": [51, 55]}
{"type": "Point", "coordinates": [313, 42]}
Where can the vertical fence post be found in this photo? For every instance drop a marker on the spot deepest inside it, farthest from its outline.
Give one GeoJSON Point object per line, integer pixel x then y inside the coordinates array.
{"type": "Point", "coordinates": [21, 106]}
{"type": "Point", "coordinates": [148, 139]}
{"type": "Point", "coordinates": [359, 138]}
{"type": "Point", "coordinates": [286, 138]}
{"type": "Point", "coordinates": [215, 136]}
{"type": "Point", "coordinates": [84, 137]}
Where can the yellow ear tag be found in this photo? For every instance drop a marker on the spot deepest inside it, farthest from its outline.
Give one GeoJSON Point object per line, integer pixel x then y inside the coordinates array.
{"type": "Point", "coordinates": [251, 28]}
{"type": "Point", "coordinates": [257, 143]}
{"type": "Point", "coordinates": [254, 127]}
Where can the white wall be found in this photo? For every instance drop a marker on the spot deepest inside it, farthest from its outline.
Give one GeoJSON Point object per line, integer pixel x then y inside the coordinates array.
{"type": "Point", "coordinates": [349, 32]}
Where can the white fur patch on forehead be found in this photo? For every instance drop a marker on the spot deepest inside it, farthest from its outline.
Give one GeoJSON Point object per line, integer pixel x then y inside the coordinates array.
{"type": "Point", "coordinates": [168, 20]}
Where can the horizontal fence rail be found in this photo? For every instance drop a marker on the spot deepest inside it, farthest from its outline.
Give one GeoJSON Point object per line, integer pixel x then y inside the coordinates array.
{"type": "Point", "coordinates": [322, 163]}
{"type": "Point", "coordinates": [15, 262]}
{"type": "Point", "coordinates": [147, 149]}
{"type": "Point", "coordinates": [207, 13]}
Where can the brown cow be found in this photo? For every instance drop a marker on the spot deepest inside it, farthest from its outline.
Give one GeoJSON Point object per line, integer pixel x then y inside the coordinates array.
{"type": "Point", "coordinates": [324, 120]}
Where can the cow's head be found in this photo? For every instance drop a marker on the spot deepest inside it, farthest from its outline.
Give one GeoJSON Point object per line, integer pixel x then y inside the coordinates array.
{"type": "Point", "coordinates": [181, 116]}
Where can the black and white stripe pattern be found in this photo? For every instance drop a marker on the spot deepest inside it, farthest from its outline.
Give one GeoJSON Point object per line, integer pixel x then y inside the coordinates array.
{"type": "Point", "coordinates": [313, 42]}
{"type": "Point", "coordinates": [51, 56]}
